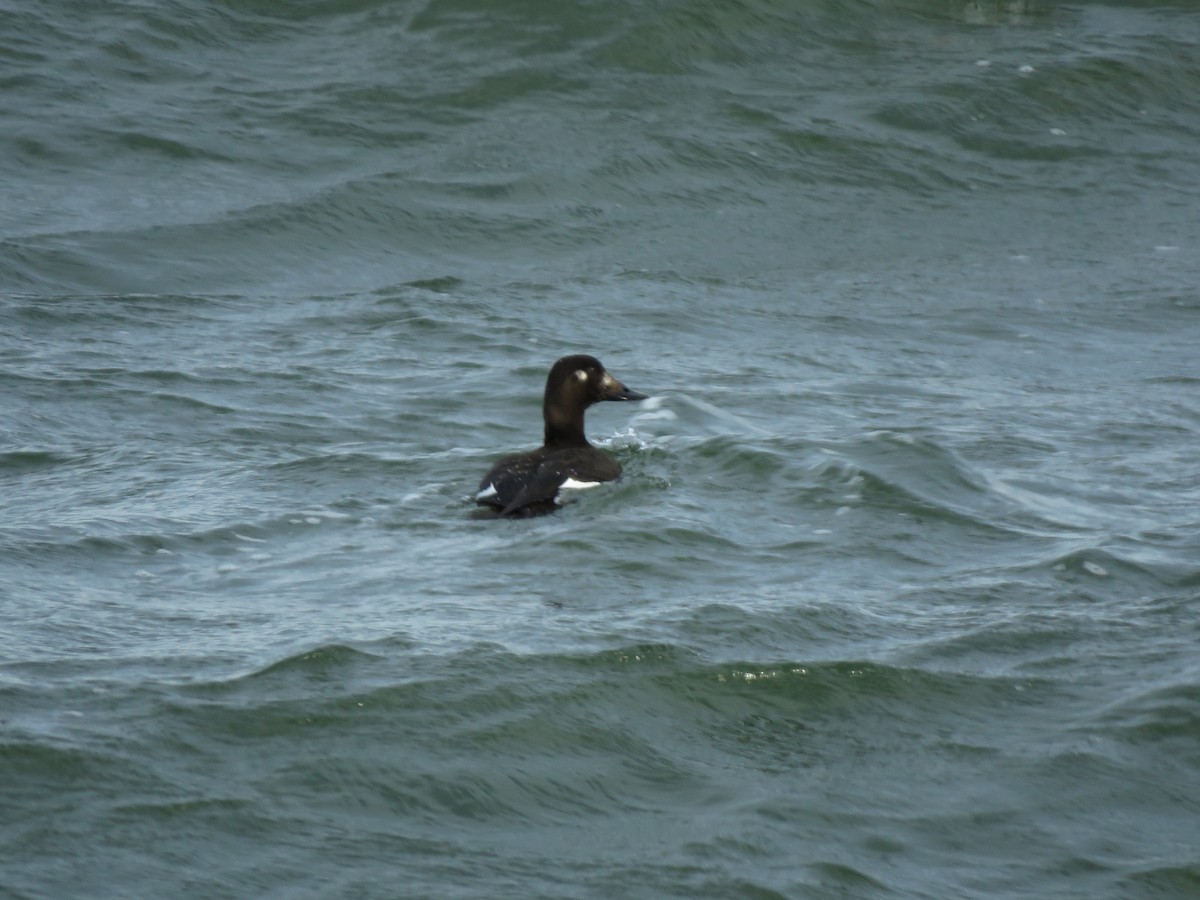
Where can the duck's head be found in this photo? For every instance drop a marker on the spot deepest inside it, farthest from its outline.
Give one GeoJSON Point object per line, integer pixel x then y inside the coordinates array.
{"type": "Point", "coordinates": [574, 384]}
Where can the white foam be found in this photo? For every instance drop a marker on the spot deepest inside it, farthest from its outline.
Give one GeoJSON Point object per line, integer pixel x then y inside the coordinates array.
{"type": "Point", "coordinates": [623, 440]}
{"type": "Point", "coordinates": [661, 414]}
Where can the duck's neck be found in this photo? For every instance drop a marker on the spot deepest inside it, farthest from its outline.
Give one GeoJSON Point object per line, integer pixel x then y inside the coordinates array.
{"type": "Point", "coordinates": [564, 430]}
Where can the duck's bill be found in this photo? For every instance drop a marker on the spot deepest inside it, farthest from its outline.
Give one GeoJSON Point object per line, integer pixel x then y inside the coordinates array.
{"type": "Point", "coordinates": [614, 390]}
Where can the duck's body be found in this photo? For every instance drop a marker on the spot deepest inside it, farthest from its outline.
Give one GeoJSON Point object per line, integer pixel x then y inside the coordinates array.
{"type": "Point", "coordinates": [527, 484]}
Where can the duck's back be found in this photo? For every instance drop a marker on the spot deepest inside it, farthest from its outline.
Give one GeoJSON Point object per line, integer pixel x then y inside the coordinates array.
{"type": "Point", "coordinates": [528, 483]}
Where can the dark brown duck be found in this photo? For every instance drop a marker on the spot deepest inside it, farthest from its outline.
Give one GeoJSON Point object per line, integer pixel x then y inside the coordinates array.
{"type": "Point", "coordinates": [528, 484]}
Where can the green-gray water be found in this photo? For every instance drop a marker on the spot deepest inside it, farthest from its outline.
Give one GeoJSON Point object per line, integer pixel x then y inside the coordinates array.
{"type": "Point", "coordinates": [899, 595]}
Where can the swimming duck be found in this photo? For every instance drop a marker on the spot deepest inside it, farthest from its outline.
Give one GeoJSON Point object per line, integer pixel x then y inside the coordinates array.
{"type": "Point", "coordinates": [528, 484]}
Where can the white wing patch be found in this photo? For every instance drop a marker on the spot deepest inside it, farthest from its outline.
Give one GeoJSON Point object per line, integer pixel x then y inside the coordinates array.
{"type": "Point", "coordinates": [572, 485]}
{"type": "Point", "coordinates": [489, 491]}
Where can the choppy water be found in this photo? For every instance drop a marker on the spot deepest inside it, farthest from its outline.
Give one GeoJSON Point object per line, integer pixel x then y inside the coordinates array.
{"type": "Point", "coordinates": [899, 594]}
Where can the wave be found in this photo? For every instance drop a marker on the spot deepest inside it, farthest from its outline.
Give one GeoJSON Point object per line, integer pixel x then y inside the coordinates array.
{"type": "Point", "coordinates": [1163, 712]}
{"type": "Point", "coordinates": [878, 474]}
{"type": "Point", "coordinates": [500, 697]}
{"type": "Point", "coordinates": [395, 739]}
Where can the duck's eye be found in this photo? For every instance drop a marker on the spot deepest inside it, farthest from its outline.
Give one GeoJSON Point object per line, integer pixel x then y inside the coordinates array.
{"type": "Point", "coordinates": [581, 374]}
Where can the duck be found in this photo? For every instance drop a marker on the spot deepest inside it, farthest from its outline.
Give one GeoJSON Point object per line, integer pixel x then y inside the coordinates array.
{"type": "Point", "coordinates": [530, 484]}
